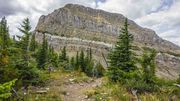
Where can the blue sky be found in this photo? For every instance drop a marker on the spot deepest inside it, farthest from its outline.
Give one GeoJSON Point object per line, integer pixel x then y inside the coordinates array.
{"type": "Point", "coordinates": [165, 5]}
{"type": "Point", "coordinates": [163, 16]}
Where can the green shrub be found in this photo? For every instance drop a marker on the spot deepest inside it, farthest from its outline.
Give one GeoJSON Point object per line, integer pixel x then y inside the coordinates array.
{"type": "Point", "coordinates": [5, 89]}
{"type": "Point", "coordinates": [178, 80]}
{"type": "Point", "coordinates": [89, 69]}
{"type": "Point", "coordinates": [100, 70]}
{"type": "Point", "coordinates": [28, 74]}
{"type": "Point", "coordinates": [8, 73]}
{"type": "Point", "coordinates": [95, 70]}
{"type": "Point", "coordinates": [142, 86]}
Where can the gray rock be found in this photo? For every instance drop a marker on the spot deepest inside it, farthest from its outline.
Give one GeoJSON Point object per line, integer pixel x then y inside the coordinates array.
{"type": "Point", "coordinates": [81, 84]}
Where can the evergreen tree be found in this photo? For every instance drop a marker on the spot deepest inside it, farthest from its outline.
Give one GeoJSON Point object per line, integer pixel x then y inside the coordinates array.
{"type": "Point", "coordinates": [72, 62]}
{"type": "Point", "coordinates": [4, 42]}
{"type": "Point", "coordinates": [63, 56]}
{"type": "Point", "coordinates": [4, 33]}
{"type": "Point", "coordinates": [77, 61]}
{"type": "Point", "coordinates": [52, 56]}
{"type": "Point", "coordinates": [33, 43]}
{"type": "Point", "coordinates": [26, 67]}
{"type": "Point", "coordinates": [50, 53]}
{"type": "Point", "coordinates": [82, 61]}
{"type": "Point", "coordinates": [6, 71]}
{"type": "Point", "coordinates": [15, 59]}
{"type": "Point", "coordinates": [25, 39]}
{"type": "Point", "coordinates": [146, 81]}
{"type": "Point", "coordinates": [88, 63]}
{"type": "Point", "coordinates": [148, 65]}
{"type": "Point", "coordinates": [42, 54]}
{"type": "Point", "coordinates": [121, 57]}
{"type": "Point", "coordinates": [90, 54]}
{"type": "Point", "coordinates": [87, 58]}
{"type": "Point", "coordinates": [100, 69]}
{"type": "Point", "coordinates": [55, 59]}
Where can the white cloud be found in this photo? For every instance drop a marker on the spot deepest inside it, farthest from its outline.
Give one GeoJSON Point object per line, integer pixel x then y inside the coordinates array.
{"type": "Point", "coordinates": [131, 8]}
{"type": "Point", "coordinates": [166, 23]}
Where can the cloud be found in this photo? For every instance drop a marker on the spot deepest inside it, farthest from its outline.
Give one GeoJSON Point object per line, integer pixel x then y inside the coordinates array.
{"type": "Point", "coordinates": [131, 8]}
{"type": "Point", "coordinates": [164, 22]}
{"type": "Point", "coordinates": [10, 7]}
{"type": "Point", "coordinates": [166, 4]}
{"type": "Point", "coordinates": [159, 15]}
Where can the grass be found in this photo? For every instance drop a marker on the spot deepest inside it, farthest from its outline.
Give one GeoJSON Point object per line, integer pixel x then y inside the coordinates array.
{"type": "Point", "coordinates": [51, 96]}
{"type": "Point", "coordinates": [117, 92]}
{"type": "Point", "coordinates": [75, 75]}
{"type": "Point", "coordinates": [54, 82]}
{"type": "Point", "coordinates": [81, 77]}
{"type": "Point", "coordinates": [111, 92]}
{"type": "Point", "coordinates": [108, 91]}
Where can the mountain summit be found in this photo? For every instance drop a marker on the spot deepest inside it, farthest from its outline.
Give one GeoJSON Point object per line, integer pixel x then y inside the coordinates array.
{"type": "Point", "coordinates": [78, 27]}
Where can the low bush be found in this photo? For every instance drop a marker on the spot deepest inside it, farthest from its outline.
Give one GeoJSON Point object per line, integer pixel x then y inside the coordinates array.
{"type": "Point", "coordinates": [5, 89]}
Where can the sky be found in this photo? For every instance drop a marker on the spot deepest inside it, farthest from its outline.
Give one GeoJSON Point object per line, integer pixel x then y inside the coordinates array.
{"type": "Point", "coordinates": [163, 16]}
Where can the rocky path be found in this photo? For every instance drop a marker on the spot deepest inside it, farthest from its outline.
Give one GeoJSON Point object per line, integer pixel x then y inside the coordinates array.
{"type": "Point", "coordinates": [68, 88]}
{"type": "Point", "coordinates": [76, 91]}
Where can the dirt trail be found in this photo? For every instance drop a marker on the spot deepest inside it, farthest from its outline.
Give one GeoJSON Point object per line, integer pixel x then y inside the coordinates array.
{"type": "Point", "coordinates": [76, 91]}
{"type": "Point", "coordinates": [69, 89]}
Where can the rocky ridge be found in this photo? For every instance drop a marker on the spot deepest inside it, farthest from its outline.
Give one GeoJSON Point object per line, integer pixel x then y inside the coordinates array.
{"type": "Point", "coordinates": [79, 27]}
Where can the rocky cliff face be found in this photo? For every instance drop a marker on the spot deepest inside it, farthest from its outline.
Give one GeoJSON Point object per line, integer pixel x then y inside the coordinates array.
{"type": "Point", "coordinates": [81, 27]}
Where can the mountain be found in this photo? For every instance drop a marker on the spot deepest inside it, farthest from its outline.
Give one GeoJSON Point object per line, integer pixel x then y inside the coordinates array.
{"type": "Point", "coordinates": [78, 27]}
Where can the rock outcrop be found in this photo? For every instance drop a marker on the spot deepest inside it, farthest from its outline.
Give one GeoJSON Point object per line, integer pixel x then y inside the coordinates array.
{"type": "Point", "coordinates": [80, 27]}
{"type": "Point", "coordinates": [75, 44]}
{"type": "Point", "coordinates": [168, 65]}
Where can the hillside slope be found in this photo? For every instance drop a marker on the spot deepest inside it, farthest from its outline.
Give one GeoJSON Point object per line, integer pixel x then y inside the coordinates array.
{"type": "Point", "coordinates": [79, 27]}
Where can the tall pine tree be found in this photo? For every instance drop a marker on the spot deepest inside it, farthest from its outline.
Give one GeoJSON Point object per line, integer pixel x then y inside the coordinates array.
{"type": "Point", "coordinates": [33, 44]}
{"type": "Point", "coordinates": [4, 33]}
{"type": "Point", "coordinates": [25, 40]}
{"type": "Point", "coordinates": [42, 53]}
{"type": "Point", "coordinates": [82, 61]}
{"type": "Point", "coordinates": [77, 61]}
{"type": "Point", "coordinates": [121, 57]}
{"type": "Point", "coordinates": [63, 56]}
{"type": "Point", "coordinates": [148, 66]}
{"type": "Point", "coordinates": [72, 62]}
{"type": "Point", "coordinates": [4, 42]}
